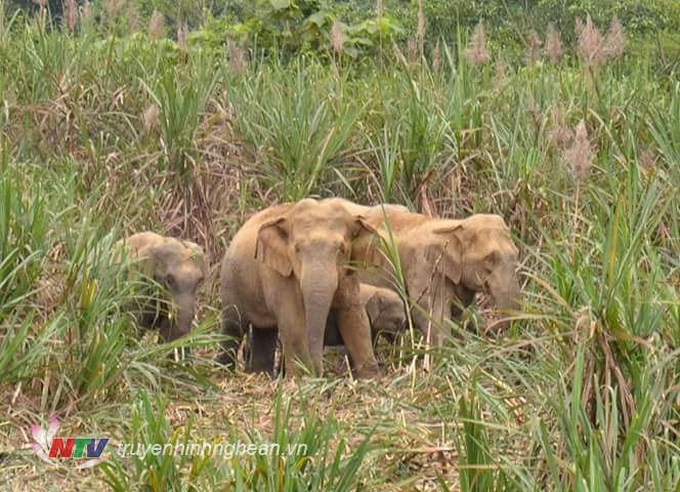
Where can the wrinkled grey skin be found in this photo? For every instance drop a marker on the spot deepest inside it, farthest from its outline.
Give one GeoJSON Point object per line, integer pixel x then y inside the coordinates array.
{"type": "Point", "coordinates": [179, 267]}
{"type": "Point", "coordinates": [444, 264]}
{"type": "Point", "coordinates": [284, 271]}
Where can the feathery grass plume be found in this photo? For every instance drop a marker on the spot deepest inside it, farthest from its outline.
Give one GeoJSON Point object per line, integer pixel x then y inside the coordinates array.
{"type": "Point", "coordinates": [615, 41]}
{"type": "Point", "coordinates": [420, 30]}
{"type": "Point", "coordinates": [590, 43]}
{"type": "Point", "coordinates": [112, 9]}
{"type": "Point", "coordinates": [157, 26]}
{"type": "Point", "coordinates": [553, 44]}
{"type": "Point", "coordinates": [436, 58]}
{"type": "Point", "coordinates": [647, 160]}
{"type": "Point", "coordinates": [533, 53]}
{"type": "Point", "coordinates": [70, 14]}
{"type": "Point", "coordinates": [499, 74]}
{"type": "Point", "coordinates": [560, 134]}
{"type": "Point", "coordinates": [150, 118]}
{"type": "Point", "coordinates": [337, 38]}
{"type": "Point", "coordinates": [580, 155]}
{"type": "Point", "coordinates": [535, 112]}
{"type": "Point", "coordinates": [412, 48]}
{"type": "Point", "coordinates": [133, 20]}
{"type": "Point", "coordinates": [182, 32]}
{"type": "Point", "coordinates": [238, 58]}
{"type": "Point", "coordinates": [476, 52]}
{"type": "Point", "coordinates": [86, 12]}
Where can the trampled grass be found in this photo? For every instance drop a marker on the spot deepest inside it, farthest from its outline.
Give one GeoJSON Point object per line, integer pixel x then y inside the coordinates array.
{"type": "Point", "coordinates": [582, 392]}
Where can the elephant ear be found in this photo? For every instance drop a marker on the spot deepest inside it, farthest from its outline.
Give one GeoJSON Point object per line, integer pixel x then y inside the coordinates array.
{"type": "Point", "coordinates": [196, 254]}
{"type": "Point", "coordinates": [272, 246]}
{"type": "Point", "coordinates": [446, 250]}
{"type": "Point", "coordinates": [374, 306]}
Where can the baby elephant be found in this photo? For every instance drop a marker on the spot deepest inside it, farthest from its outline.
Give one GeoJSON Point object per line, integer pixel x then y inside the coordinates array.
{"type": "Point", "coordinates": [178, 267]}
{"type": "Point", "coordinates": [385, 310]}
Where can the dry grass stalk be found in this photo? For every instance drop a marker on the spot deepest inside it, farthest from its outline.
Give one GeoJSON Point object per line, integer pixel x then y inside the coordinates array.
{"type": "Point", "coordinates": [580, 155]}
{"type": "Point", "coordinates": [70, 14]}
{"type": "Point", "coordinates": [553, 44]}
{"type": "Point", "coordinates": [590, 43]}
{"type": "Point", "coordinates": [157, 26]}
{"type": "Point", "coordinates": [337, 37]}
{"type": "Point", "coordinates": [615, 41]}
{"type": "Point", "coordinates": [476, 52]}
{"type": "Point", "coordinates": [378, 8]}
{"type": "Point", "coordinates": [533, 53]}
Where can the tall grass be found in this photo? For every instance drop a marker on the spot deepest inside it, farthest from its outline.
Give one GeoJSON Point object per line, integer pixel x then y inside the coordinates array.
{"type": "Point", "coordinates": [582, 392]}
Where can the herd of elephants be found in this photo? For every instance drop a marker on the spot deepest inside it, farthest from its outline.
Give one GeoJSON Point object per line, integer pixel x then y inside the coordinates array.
{"type": "Point", "coordinates": [315, 273]}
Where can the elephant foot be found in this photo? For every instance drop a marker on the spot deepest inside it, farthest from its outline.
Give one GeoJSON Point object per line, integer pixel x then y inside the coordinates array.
{"type": "Point", "coordinates": [368, 370]}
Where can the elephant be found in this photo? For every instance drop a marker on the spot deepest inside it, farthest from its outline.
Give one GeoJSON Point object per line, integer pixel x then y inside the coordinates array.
{"type": "Point", "coordinates": [444, 263]}
{"type": "Point", "coordinates": [177, 266]}
{"type": "Point", "coordinates": [284, 271]}
{"type": "Point", "coordinates": [385, 310]}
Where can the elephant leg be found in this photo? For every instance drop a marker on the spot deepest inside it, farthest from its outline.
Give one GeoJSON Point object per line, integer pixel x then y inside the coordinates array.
{"type": "Point", "coordinates": [297, 358]}
{"type": "Point", "coordinates": [233, 326]}
{"type": "Point", "coordinates": [263, 349]}
{"type": "Point", "coordinates": [355, 329]}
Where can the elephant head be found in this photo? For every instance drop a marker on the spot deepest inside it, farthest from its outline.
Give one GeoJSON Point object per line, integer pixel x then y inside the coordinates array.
{"type": "Point", "coordinates": [313, 242]}
{"type": "Point", "coordinates": [178, 267]}
{"type": "Point", "coordinates": [477, 254]}
{"type": "Point", "coordinates": [385, 310]}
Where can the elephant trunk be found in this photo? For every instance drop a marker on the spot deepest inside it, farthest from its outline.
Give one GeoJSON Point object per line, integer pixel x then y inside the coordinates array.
{"type": "Point", "coordinates": [318, 289]}
{"type": "Point", "coordinates": [182, 317]}
{"type": "Point", "coordinates": [506, 297]}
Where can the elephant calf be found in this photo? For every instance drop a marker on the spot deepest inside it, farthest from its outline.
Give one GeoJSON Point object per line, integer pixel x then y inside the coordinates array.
{"type": "Point", "coordinates": [177, 266]}
{"type": "Point", "coordinates": [386, 314]}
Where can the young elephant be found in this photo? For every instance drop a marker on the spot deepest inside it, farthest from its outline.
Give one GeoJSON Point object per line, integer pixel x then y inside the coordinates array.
{"type": "Point", "coordinates": [444, 263]}
{"type": "Point", "coordinates": [177, 266]}
{"type": "Point", "coordinates": [385, 310]}
{"type": "Point", "coordinates": [287, 268]}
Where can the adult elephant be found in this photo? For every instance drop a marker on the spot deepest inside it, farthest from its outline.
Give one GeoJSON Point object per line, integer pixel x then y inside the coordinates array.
{"type": "Point", "coordinates": [287, 268]}
{"type": "Point", "coordinates": [443, 263]}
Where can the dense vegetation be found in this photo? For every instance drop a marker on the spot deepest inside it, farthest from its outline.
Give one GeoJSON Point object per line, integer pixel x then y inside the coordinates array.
{"type": "Point", "coordinates": [571, 133]}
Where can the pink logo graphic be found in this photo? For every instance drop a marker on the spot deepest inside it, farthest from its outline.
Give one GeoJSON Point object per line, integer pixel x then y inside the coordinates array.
{"type": "Point", "coordinates": [48, 447]}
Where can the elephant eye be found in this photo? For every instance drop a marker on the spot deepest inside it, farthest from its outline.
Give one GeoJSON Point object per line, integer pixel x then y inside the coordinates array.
{"type": "Point", "coordinates": [170, 282]}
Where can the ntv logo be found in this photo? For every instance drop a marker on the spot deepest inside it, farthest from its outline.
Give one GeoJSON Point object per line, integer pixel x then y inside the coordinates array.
{"type": "Point", "coordinates": [48, 447]}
